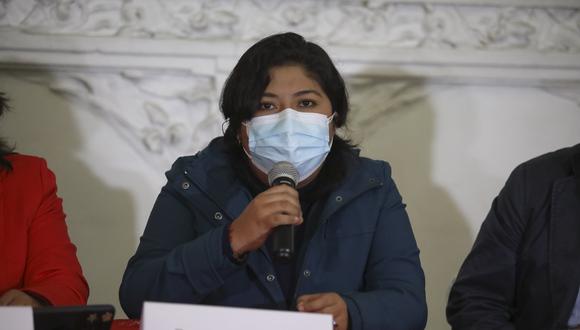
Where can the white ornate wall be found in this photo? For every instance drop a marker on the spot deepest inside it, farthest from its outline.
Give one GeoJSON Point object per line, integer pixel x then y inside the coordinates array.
{"type": "Point", "coordinates": [453, 93]}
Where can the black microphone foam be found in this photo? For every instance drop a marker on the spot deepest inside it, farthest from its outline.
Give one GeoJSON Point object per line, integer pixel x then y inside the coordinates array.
{"type": "Point", "coordinates": [283, 236]}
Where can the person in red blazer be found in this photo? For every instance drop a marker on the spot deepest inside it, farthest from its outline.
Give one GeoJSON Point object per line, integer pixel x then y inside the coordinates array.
{"type": "Point", "coordinates": [38, 263]}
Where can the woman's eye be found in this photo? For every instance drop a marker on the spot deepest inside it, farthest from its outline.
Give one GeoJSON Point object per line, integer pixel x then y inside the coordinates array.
{"type": "Point", "coordinates": [306, 104]}
{"type": "Point", "coordinates": [267, 106]}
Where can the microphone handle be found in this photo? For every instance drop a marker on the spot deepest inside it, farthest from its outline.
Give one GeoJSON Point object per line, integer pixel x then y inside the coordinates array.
{"type": "Point", "coordinates": [283, 236]}
{"type": "Point", "coordinates": [283, 242]}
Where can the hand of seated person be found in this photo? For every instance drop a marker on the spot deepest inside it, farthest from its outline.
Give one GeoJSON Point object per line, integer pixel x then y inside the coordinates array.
{"type": "Point", "coordinates": [326, 303]}
{"type": "Point", "coordinates": [18, 298]}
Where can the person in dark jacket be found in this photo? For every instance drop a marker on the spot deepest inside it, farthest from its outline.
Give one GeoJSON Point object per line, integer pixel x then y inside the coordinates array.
{"type": "Point", "coordinates": [208, 238]}
{"type": "Point", "coordinates": [523, 271]}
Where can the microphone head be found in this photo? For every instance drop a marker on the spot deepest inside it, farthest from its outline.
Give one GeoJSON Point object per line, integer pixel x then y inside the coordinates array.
{"type": "Point", "coordinates": [283, 171]}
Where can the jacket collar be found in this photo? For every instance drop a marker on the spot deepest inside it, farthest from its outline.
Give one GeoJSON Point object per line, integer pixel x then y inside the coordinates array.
{"type": "Point", "coordinates": [357, 182]}
{"type": "Point", "coordinates": [212, 173]}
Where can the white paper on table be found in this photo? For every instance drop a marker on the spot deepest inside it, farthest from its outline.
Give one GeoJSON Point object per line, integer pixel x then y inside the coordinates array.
{"type": "Point", "coordinates": [16, 318]}
{"type": "Point", "coordinates": [157, 316]}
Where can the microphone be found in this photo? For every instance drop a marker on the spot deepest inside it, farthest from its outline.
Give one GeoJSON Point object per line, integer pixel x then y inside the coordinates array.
{"type": "Point", "coordinates": [283, 236]}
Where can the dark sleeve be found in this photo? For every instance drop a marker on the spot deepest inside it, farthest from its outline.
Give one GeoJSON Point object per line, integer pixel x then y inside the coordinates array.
{"type": "Point", "coordinates": [53, 272]}
{"type": "Point", "coordinates": [174, 263]}
{"type": "Point", "coordinates": [482, 297]}
{"type": "Point", "coordinates": [394, 293]}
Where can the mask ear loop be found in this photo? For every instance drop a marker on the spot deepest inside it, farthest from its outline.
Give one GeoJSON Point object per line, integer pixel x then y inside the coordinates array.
{"type": "Point", "coordinates": [246, 152]}
{"type": "Point", "coordinates": [330, 120]}
{"type": "Point", "coordinates": [227, 121]}
{"type": "Point", "coordinates": [240, 142]}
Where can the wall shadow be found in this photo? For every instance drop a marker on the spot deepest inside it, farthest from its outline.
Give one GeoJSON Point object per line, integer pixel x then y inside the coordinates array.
{"type": "Point", "coordinates": [396, 122]}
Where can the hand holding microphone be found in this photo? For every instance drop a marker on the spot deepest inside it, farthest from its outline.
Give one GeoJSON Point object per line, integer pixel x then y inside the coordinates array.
{"type": "Point", "coordinates": [277, 206]}
{"type": "Point", "coordinates": [283, 173]}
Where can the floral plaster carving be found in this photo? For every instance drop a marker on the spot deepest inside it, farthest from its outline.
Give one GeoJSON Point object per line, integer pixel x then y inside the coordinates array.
{"type": "Point", "coordinates": [348, 23]}
{"type": "Point", "coordinates": [162, 116]}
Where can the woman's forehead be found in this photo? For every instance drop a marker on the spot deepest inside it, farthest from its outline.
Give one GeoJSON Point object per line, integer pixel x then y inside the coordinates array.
{"type": "Point", "coordinates": [291, 79]}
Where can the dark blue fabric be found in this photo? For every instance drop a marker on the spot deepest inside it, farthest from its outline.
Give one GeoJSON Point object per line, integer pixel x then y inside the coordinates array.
{"type": "Point", "coordinates": [287, 270]}
{"type": "Point", "coordinates": [363, 247]}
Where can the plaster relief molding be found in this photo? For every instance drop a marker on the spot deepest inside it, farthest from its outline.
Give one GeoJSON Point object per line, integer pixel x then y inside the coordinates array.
{"type": "Point", "coordinates": [161, 116]}
{"type": "Point", "coordinates": [373, 23]}
{"type": "Point", "coordinates": [455, 39]}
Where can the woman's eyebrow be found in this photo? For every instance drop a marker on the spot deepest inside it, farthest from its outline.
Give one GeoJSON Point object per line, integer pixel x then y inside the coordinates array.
{"type": "Point", "coordinates": [266, 94]}
{"type": "Point", "coordinates": [299, 93]}
{"type": "Point", "coordinates": [307, 91]}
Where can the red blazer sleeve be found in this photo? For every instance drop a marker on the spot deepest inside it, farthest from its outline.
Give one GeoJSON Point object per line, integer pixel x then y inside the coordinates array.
{"type": "Point", "coordinates": [52, 268]}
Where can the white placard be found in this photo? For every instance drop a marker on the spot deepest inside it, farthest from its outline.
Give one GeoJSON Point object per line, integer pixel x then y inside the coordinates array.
{"type": "Point", "coordinates": [16, 318]}
{"type": "Point", "coordinates": [198, 317]}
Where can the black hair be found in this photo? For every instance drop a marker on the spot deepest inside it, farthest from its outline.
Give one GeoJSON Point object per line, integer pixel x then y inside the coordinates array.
{"type": "Point", "coordinates": [244, 87]}
{"type": "Point", "coordinates": [5, 149]}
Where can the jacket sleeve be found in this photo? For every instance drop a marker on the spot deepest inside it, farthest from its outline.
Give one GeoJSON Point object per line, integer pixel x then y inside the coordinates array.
{"type": "Point", "coordinates": [483, 295]}
{"type": "Point", "coordinates": [52, 271]}
{"type": "Point", "coordinates": [174, 262]}
{"type": "Point", "coordinates": [394, 292]}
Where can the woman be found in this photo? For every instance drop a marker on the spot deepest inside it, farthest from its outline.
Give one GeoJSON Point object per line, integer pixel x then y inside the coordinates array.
{"type": "Point", "coordinates": [38, 263]}
{"type": "Point", "coordinates": [208, 237]}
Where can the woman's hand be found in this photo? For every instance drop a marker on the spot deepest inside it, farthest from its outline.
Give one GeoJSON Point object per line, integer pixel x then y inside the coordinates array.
{"type": "Point", "coordinates": [276, 206]}
{"type": "Point", "coordinates": [326, 303]}
{"type": "Point", "coordinates": [18, 298]}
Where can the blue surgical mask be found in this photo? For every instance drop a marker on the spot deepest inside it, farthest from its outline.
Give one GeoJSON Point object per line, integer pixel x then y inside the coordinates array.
{"type": "Point", "coordinates": [300, 138]}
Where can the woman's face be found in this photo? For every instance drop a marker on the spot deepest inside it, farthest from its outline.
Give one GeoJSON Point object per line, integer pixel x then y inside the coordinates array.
{"type": "Point", "coordinates": [291, 87]}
